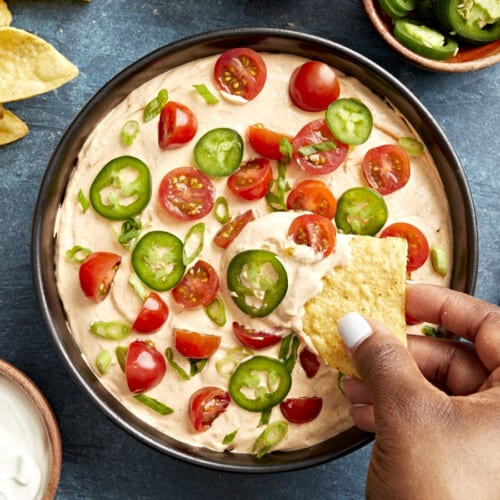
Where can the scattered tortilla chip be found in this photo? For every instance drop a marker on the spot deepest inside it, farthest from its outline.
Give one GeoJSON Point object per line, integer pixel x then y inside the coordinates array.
{"type": "Point", "coordinates": [30, 66]}
{"type": "Point", "coordinates": [5, 15]}
{"type": "Point", "coordinates": [373, 284]}
{"type": "Point", "coordinates": [12, 128]}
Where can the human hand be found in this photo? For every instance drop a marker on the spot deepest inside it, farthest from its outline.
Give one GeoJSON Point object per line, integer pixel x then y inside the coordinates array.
{"type": "Point", "coordinates": [435, 408]}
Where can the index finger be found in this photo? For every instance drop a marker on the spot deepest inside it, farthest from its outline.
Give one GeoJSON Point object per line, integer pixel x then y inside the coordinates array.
{"type": "Point", "coordinates": [461, 314]}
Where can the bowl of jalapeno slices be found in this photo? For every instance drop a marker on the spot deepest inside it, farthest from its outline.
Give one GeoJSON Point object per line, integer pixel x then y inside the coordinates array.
{"type": "Point", "coordinates": [440, 35]}
{"type": "Point", "coordinates": [155, 230]}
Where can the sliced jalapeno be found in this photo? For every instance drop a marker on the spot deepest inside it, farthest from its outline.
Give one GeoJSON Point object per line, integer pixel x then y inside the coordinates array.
{"type": "Point", "coordinates": [122, 188]}
{"type": "Point", "coordinates": [397, 8]}
{"type": "Point", "coordinates": [260, 383]}
{"type": "Point", "coordinates": [257, 281]}
{"type": "Point", "coordinates": [361, 210]}
{"type": "Point", "coordinates": [349, 120]}
{"type": "Point", "coordinates": [157, 260]}
{"type": "Point", "coordinates": [219, 152]}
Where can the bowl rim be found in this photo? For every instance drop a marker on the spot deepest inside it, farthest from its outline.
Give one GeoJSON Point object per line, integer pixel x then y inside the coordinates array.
{"type": "Point", "coordinates": [64, 157]}
{"type": "Point", "coordinates": [46, 414]}
{"type": "Point", "coordinates": [372, 9]}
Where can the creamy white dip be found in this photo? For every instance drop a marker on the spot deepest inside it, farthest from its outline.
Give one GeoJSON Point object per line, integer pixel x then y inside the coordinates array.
{"type": "Point", "coordinates": [421, 202]}
{"type": "Point", "coordinates": [24, 445]}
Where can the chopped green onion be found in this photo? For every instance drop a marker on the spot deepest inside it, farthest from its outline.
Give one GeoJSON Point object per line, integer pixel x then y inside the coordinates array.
{"type": "Point", "coordinates": [197, 365]}
{"type": "Point", "coordinates": [229, 438]}
{"type": "Point", "coordinates": [286, 150]}
{"type": "Point", "coordinates": [439, 260]}
{"type": "Point", "coordinates": [430, 331]}
{"type": "Point", "coordinates": [216, 311]}
{"type": "Point", "coordinates": [141, 291]}
{"type": "Point", "coordinates": [103, 361]}
{"type": "Point", "coordinates": [129, 132]}
{"type": "Point", "coordinates": [275, 197]}
{"type": "Point", "coordinates": [320, 147]}
{"type": "Point", "coordinates": [169, 353]}
{"type": "Point", "coordinates": [411, 146]}
{"type": "Point", "coordinates": [112, 330]}
{"type": "Point", "coordinates": [78, 254]}
{"type": "Point", "coordinates": [225, 216]}
{"type": "Point", "coordinates": [273, 434]}
{"type": "Point", "coordinates": [195, 236]}
{"type": "Point", "coordinates": [154, 404]}
{"type": "Point", "coordinates": [206, 94]}
{"type": "Point", "coordinates": [121, 356]}
{"type": "Point", "coordinates": [265, 416]}
{"type": "Point", "coordinates": [226, 366]}
{"type": "Point", "coordinates": [84, 202]}
{"type": "Point", "coordinates": [288, 350]}
{"type": "Point", "coordinates": [131, 228]}
{"type": "Point", "coordinates": [153, 108]}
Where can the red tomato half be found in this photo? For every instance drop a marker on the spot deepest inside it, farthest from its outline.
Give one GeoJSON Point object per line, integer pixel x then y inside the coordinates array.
{"type": "Point", "coordinates": [97, 273]}
{"type": "Point", "coordinates": [186, 193]}
{"type": "Point", "coordinates": [144, 366]}
{"type": "Point", "coordinates": [301, 410]}
{"type": "Point", "coordinates": [266, 142]}
{"type": "Point", "coordinates": [251, 181]}
{"type": "Point", "coordinates": [418, 247]}
{"type": "Point", "coordinates": [198, 287]}
{"type": "Point", "coordinates": [196, 345]}
{"type": "Point", "coordinates": [314, 196]}
{"type": "Point", "coordinates": [309, 362]}
{"type": "Point", "coordinates": [228, 232]}
{"type": "Point", "coordinates": [177, 125]}
{"type": "Point", "coordinates": [255, 339]}
{"type": "Point", "coordinates": [313, 86]}
{"type": "Point", "coordinates": [315, 231]}
{"type": "Point", "coordinates": [205, 405]}
{"type": "Point", "coordinates": [386, 168]}
{"type": "Point", "coordinates": [313, 134]}
{"type": "Point", "coordinates": [153, 314]}
{"type": "Point", "coordinates": [241, 72]}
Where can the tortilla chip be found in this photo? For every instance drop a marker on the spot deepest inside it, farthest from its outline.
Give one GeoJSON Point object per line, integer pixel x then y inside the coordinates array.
{"type": "Point", "coordinates": [373, 284]}
{"type": "Point", "coordinates": [12, 128]}
{"type": "Point", "coordinates": [30, 66]}
{"type": "Point", "coordinates": [5, 15]}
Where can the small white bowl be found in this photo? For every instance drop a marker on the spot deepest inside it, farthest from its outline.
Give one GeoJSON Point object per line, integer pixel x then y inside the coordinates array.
{"type": "Point", "coordinates": [33, 415]}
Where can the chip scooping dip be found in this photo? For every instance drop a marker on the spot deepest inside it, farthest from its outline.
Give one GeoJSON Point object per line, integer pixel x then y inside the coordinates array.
{"type": "Point", "coordinates": [373, 284]}
{"type": "Point", "coordinates": [12, 128]}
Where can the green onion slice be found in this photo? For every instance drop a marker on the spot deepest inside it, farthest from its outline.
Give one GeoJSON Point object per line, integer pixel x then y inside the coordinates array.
{"type": "Point", "coordinates": [141, 291]}
{"type": "Point", "coordinates": [320, 147]}
{"type": "Point", "coordinates": [273, 434]}
{"type": "Point", "coordinates": [412, 146]}
{"type": "Point", "coordinates": [229, 438]}
{"type": "Point", "coordinates": [193, 243]}
{"type": "Point", "coordinates": [288, 350]}
{"type": "Point", "coordinates": [130, 231]}
{"type": "Point", "coordinates": [203, 91]}
{"type": "Point", "coordinates": [103, 361]}
{"type": "Point", "coordinates": [112, 330]}
{"type": "Point", "coordinates": [84, 202]}
{"type": "Point", "coordinates": [121, 356]}
{"type": "Point", "coordinates": [226, 366]}
{"type": "Point", "coordinates": [197, 366]}
{"type": "Point", "coordinates": [78, 254]}
{"type": "Point", "coordinates": [129, 132]}
{"type": "Point", "coordinates": [286, 150]}
{"type": "Point", "coordinates": [154, 404]}
{"type": "Point", "coordinates": [169, 353]}
{"type": "Point", "coordinates": [439, 260]}
{"type": "Point", "coordinates": [221, 210]}
{"type": "Point", "coordinates": [430, 331]}
{"type": "Point", "coordinates": [154, 107]}
{"type": "Point", "coordinates": [275, 197]}
{"type": "Point", "coordinates": [216, 311]}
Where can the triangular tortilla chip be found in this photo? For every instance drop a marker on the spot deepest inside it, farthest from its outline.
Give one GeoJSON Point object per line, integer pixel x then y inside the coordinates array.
{"type": "Point", "coordinates": [30, 66]}
{"type": "Point", "coordinates": [12, 128]}
{"type": "Point", "coordinates": [5, 15]}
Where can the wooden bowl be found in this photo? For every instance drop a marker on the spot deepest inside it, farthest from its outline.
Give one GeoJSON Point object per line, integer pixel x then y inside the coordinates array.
{"type": "Point", "coordinates": [469, 58]}
{"type": "Point", "coordinates": [41, 412]}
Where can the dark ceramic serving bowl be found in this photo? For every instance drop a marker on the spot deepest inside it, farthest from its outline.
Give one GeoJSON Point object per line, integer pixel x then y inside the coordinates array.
{"type": "Point", "coordinates": [53, 187]}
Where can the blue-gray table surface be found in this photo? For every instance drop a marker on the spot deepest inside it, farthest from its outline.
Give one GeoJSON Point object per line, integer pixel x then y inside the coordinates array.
{"type": "Point", "coordinates": [104, 36]}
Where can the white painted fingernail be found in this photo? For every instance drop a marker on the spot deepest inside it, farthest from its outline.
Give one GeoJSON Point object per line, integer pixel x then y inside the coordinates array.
{"type": "Point", "coordinates": [353, 328]}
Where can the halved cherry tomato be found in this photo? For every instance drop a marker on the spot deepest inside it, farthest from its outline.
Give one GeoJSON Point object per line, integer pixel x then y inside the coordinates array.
{"type": "Point", "coordinates": [97, 273]}
{"type": "Point", "coordinates": [251, 181]}
{"type": "Point", "coordinates": [255, 339]}
{"type": "Point", "coordinates": [315, 231]}
{"type": "Point", "coordinates": [195, 345]}
{"type": "Point", "coordinates": [177, 125]}
{"type": "Point", "coordinates": [309, 362]}
{"type": "Point", "coordinates": [228, 232]}
{"type": "Point", "coordinates": [198, 287]}
{"type": "Point", "coordinates": [186, 193]}
{"type": "Point", "coordinates": [301, 410]}
{"type": "Point", "coordinates": [266, 142]}
{"type": "Point", "coordinates": [317, 135]}
{"type": "Point", "coordinates": [144, 366]}
{"type": "Point", "coordinates": [411, 320]}
{"type": "Point", "coordinates": [153, 314]}
{"type": "Point", "coordinates": [314, 196]}
{"type": "Point", "coordinates": [418, 247]}
{"type": "Point", "coordinates": [205, 405]}
{"type": "Point", "coordinates": [386, 168]}
{"type": "Point", "coordinates": [313, 86]}
{"type": "Point", "coordinates": [240, 72]}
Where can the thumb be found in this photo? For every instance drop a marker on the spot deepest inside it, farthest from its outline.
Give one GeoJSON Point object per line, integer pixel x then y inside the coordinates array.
{"type": "Point", "coordinates": [385, 365]}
